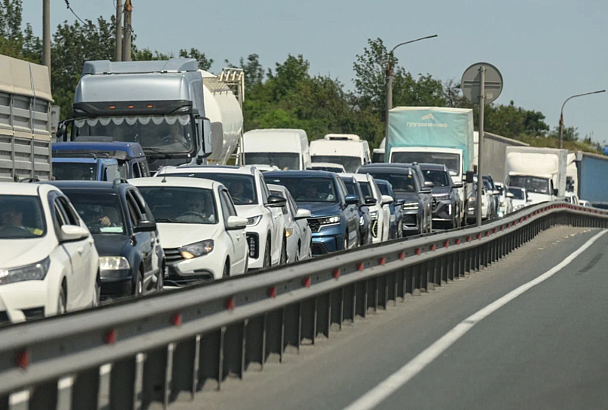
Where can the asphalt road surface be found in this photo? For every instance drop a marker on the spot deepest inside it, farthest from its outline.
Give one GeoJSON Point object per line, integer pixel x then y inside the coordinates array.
{"type": "Point", "coordinates": [544, 349]}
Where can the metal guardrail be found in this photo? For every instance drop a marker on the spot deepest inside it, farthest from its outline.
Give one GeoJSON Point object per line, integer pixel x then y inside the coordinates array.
{"type": "Point", "coordinates": [128, 355]}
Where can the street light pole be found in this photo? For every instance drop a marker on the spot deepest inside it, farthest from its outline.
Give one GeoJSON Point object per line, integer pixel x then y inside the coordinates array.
{"type": "Point", "coordinates": [561, 114]}
{"type": "Point", "coordinates": [389, 79]}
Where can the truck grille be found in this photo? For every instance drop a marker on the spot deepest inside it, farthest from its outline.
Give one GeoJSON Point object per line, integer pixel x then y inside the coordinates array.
{"type": "Point", "coordinates": [173, 255]}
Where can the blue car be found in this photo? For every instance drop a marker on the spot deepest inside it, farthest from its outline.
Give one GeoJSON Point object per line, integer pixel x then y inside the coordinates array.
{"type": "Point", "coordinates": [335, 214]}
{"type": "Point", "coordinates": [132, 162]}
{"type": "Point", "coordinates": [396, 225]}
{"type": "Point", "coordinates": [365, 219]}
{"type": "Point", "coordinates": [85, 169]}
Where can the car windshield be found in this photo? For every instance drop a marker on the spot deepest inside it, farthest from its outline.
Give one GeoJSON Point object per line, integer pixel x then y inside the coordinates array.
{"type": "Point", "coordinates": [78, 171]}
{"type": "Point", "coordinates": [308, 190]}
{"type": "Point", "coordinates": [437, 177]}
{"type": "Point", "coordinates": [181, 204]}
{"type": "Point", "coordinates": [155, 133]}
{"type": "Point", "coordinates": [350, 164]}
{"type": "Point", "coordinates": [400, 182]}
{"type": "Point", "coordinates": [102, 213]}
{"type": "Point", "coordinates": [241, 187]}
{"type": "Point", "coordinates": [282, 160]}
{"type": "Point", "coordinates": [452, 161]}
{"type": "Point", "coordinates": [536, 185]}
{"type": "Point", "coordinates": [21, 217]}
{"type": "Point", "coordinates": [517, 193]}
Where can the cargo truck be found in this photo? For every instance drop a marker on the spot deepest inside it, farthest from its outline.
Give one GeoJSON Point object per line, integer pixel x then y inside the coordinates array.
{"type": "Point", "coordinates": [176, 112]}
{"type": "Point", "coordinates": [25, 121]}
{"type": "Point", "coordinates": [541, 171]}
{"type": "Point", "coordinates": [592, 184]}
{"type": "Point", "coordinates": [435, 135]}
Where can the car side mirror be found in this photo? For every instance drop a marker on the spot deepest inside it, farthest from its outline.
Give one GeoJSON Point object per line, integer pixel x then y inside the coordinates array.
{"type": "Point", "coordinates": [61, 131]}
{"type": "Point", "coordinates": [276, 201]}
{"type": "Point", "coordinates": [303, 214]}
{"type": "Point", "coordinates": [555, 192]}
{"type": "Point", "coordinates": [351, 199]}
{"type": "Point", "coordinates": [370, 201]}
{"type": "Point", "coordinates": [387, 200]}
{"type": "Point", "coordinates": [429, 184]}
{"type": "Point", "coordinates": [470, 177]}
{"type": "Point", "coordinates": [495, 192]}
{"type": "Point", "coordinates": [510, 195]}
{"type": "Point", "coordinates": [145, 226]}
{"type": "Point", "coordinates": [236, 222]}
{"type": "Point", "coordinates": [73, 233]}
{"type": "Point", "coordinates": [457, 186]}
{"type": "Point", "coordinates": [400, 202]}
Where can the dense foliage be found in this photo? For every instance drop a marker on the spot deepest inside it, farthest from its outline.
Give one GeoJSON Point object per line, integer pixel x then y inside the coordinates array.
{"type": "Point", "coordinates": [288, 96]}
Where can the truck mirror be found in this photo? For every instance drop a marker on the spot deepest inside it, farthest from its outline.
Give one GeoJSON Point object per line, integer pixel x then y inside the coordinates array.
{"type": "Point", "coordinates": [470, 177]}
{"type": "Point", "coordinates": [61, 131]}
{"type": "Point", "coordinates": [555, 192]}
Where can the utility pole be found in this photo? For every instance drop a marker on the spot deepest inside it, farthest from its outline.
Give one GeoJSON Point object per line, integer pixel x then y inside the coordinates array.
{"type": "Point", "coordinates": [46, 34]}
{"type": "Point", "coordinates": [126, 41]}
{"type": "Point", "coordinates": [118, 56]}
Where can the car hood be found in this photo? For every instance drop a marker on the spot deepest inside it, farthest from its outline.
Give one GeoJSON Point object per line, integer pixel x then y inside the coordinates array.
{"type": "Point", "coordinates": [111, 245]}
{"type": "Point", "coordinates": [407, 196]}
{"type": "Point", "coordinates": [246, 211]}
{"type": "Point", "coordinates": [22, 252]}
{"type": "Point", "coordinates": [321, 208]}
{"type": "Point", "coordinates": [441, 190]}
{"type": "Point", "coordinates": [176, 235]}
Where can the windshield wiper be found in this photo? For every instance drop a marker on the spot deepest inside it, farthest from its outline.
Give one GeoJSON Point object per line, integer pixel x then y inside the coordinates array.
{"type": "Point", "coordinates": [169, 220]}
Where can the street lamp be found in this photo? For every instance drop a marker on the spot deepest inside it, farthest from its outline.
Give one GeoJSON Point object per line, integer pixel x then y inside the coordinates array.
{"type": "Point", "coordinates": [561, 114]}
{"type": "Point", "coordinates": [389, 80]}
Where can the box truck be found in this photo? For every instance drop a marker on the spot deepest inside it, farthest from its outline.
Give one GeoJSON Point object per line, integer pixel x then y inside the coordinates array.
{"type": "Point", "coordinates": [25, 120]}
{"type": "Point", "coordinates": [348, 150]}
{"type": "Point", "coordinates": [542, 171]}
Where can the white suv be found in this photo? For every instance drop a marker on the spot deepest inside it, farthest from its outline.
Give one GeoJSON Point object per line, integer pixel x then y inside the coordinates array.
{"type": "Point", "coordinates": [380, 213]}
{"type": "Point", "coordinates": [252, 198]}
{"type": "Point", "coordinates": [48, 260]}
{"type": "Point", "coordinates": [200, 232]}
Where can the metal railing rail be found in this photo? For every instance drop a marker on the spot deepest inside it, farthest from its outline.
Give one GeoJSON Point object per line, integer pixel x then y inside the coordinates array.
{"type": "Point", "coordinates": [152, 349]}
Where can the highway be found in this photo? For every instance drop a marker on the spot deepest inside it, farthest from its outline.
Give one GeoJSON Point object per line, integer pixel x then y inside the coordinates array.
{"type": "Point", "coordinates": [545, 349]}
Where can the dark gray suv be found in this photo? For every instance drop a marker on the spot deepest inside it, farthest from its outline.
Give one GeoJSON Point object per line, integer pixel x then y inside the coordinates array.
{"type": "Point", "coordinates": [446, 202]}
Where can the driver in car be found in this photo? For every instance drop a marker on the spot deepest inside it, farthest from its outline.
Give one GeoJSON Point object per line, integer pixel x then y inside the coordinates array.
{"type": "Point", "coordinates": [237, 191]}
{"type": "Point", "coordinates": [11, 216]}
{"type": "Point", "coordinates": [96, 216]}
{"type": "Point", "coordinates": [196, 207]}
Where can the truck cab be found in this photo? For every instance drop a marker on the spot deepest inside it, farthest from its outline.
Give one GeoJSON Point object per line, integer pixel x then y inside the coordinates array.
{"type": "Point", "coordinates": [85, 169]}
{"type": "Point", "coordinates": [132, 162]}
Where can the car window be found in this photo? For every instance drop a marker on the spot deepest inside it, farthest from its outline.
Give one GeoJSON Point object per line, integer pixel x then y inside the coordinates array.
{"type": "Point", "coordinates": [69, 212]}
{"type": "Point", "coordinates": [342, 188]}
{"type": "Point", "coordinates": [136, 170]}
{"type": "Point", "coordinates": [366, 189]}
{"type": "Point", "coordinates": [62, 217]}
{"type": "Point", "coordinates": [225, 207]}
{"type": "Point", "coordinates": [141, 204]}
{"type": "Point", "coordinates": [264, 189]}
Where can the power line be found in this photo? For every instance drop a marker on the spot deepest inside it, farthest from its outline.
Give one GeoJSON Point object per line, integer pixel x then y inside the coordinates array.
{"type": "Point", "coordinates": [67, 3]}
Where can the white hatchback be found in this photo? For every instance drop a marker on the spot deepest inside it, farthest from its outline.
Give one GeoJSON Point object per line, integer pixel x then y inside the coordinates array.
{"type": "Point", "coordinates": [48, 260]}
{"type": "Point", "coordinates": [265, 226]}
{"type": "Point", "coordinates": [200, 231]}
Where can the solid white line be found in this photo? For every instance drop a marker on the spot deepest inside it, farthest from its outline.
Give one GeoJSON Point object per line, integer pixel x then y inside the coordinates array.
{"type": "Point", "coordinates": [398, 379]}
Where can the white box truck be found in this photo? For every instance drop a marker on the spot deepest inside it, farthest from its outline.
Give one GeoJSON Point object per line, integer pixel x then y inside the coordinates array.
{"type": "Point", "coordinates": [542, 171]}
{"type": "Point", "coordinates": [345, 149]}
{"type": "Point", "coordinates": [283, 148]}
{"type": "Point", "coordinates": [25, 120]}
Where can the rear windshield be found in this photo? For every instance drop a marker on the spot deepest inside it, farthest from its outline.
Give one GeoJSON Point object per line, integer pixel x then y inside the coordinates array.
{"type": "Point", "coordinates": [350, 164]}
{"type": "Point", "coordinates": [282, 160]}
{"type": "Point", "coordinates": [400, 182]}
{"type": "Point", "coordinates": [67, 171]}
{"type": "Point", "coordinates": [241, 187]}
{"type": "Point", "coordinates": [309, 190]}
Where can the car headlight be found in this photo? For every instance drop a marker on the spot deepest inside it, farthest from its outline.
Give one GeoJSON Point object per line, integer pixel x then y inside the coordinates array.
{"type": "Point", "coordinates": [194, 250]}
{"type": "Point", "coordinates": [254, 220]}
{"type": "Point", "coordinates": [472, 199]}
{"type": "Point", "coordinates": [330, 220]}
{"type": "Point", "coordinates": [373, 214]}
{"type": "Point", "coordinates": [113, 263]}
{"type": "Point", "coordinates": [410, 206]}
{"type": "Point", "coordinates": [442, 197]}
{"type": "Point", "coordinates": [35, 271]}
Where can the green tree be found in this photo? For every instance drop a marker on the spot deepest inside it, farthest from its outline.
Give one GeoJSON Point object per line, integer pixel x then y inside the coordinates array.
{"type": "Point", "coordinates": [204, 63]}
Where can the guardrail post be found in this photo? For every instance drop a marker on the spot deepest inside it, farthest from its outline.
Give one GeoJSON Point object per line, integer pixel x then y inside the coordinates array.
{"type": "Point", "coordinates": [308, 313]}
{"type": "Point", "coordinates": [417, 279]}
{"type": "Point", "coordinates": [272, 335]}
{"type": "Point", "coordinates": [424, 275]}
{"type": "Point", "coordinates": [210, 358]}
{"type": "Point", "coordinates": [90, 389]}
{"type": "Point", "coordinates": [324, 313]}
{"type": "Point", "coordinates": [43, 395]}
{"type": "Point", "coordinates": [292, 326]}
{"type": "Point", "coordinates": [19, 400]}
{"type": "Point", "coordinates": [64, 393]}
{"type": "Point", "coordinates": [350, 303]}
{"type": "Point", "coordinates": [138, 381]}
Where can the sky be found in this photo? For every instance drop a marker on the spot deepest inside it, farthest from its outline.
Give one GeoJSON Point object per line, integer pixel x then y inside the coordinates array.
{"type": "Point", "coordinates": [546, 50]}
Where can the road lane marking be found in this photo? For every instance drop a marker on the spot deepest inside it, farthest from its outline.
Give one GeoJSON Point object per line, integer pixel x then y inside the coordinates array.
{"type": "Point", "coordinates": [398, 379]}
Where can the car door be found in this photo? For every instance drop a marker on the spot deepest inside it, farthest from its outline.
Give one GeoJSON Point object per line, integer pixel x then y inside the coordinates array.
{"type": "Point", "coordinates": [351, 212]}
{"type": "Point", "coordinates": [80, 281]}
{"type": "Point", "coordinates": [145, 242]}
{"type": "Point", "coordinates": [236, 242]}
{"type": "Point", "coordinates": [277, 224]}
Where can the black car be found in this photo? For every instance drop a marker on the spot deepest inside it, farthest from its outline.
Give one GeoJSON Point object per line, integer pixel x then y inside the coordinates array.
{"type": "Point", "coordinates": [365, 220]}
{"type": "Point", "coordinates": [130, 256]}
{"type": "Point", "coordinates": [408, 185]}
{"type": "Point", "coordinates": [446, 202]}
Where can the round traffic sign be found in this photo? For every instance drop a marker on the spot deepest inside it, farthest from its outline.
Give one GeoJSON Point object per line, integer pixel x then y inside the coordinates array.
{"type": "Point", "coordinates": [471, 83]}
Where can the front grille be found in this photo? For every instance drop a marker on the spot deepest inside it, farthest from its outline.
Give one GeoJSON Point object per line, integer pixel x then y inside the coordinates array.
{"type": "Point", "coordinates": [409, 220]}
{"type": "Point", "coordinates": [173, 254]}
{"type": "Point", "coordinates": [253, 241]}
{"type": "Point", "coordinates": [319, 249]}
{"type": "Point", "coordinates": [34, 313]}
{"type": "Point", "coordinates": [435, 203]}
{"type": "Point", "coordinates": [315, 224]}
{"type": "Point", "coordinates": [375, 228]}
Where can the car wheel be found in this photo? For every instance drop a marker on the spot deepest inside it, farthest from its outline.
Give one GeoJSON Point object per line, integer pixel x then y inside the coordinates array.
{"type": "Point", "coordinates": [267, 257]}
{"type": "Point", "coordinates": [160, 283]}
{"type": "Point", "coordinates": [283, 254]}
{"type": "Point", "coordinates": [139, 285]}
{"type": "Point", "coordinates": [62, 301]}
{"type": "Point", "coordinates": [226, 271]}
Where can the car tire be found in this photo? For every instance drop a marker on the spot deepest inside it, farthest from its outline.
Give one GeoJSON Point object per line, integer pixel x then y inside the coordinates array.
{"type": "Point", "coordinates": [267, 256]}
{"type": "Point", "coordinates": [160, 283]}
{"type": "Point", "coordinates": [283, 259]}
{"type": "Point", "coordinates": [226, 270]}
{"type": "Point", "coordinates": [139, 285]}
{"type": "Point", "coordinates": [62, 300]}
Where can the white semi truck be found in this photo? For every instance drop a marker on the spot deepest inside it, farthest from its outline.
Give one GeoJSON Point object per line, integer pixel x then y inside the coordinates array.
{"type": "Point", "coordinates": [176, 112]}
{"type": "Point", "coordinates": [541, 171]}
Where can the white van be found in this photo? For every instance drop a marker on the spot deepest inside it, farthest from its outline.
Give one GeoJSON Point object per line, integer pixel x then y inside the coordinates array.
{"type": "Point", "coordinates": [283, 148]}
{"type": "Point", "coordinates": [346, 149]}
